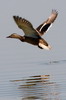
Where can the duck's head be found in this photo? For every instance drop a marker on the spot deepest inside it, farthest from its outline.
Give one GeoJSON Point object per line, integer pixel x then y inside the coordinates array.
{"type": "Point", "coordinates": [16, 36]}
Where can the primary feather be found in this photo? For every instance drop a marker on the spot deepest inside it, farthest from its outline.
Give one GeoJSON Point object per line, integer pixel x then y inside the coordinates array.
{"type": "Point", "coordinates": [45, 25]}
{"type": "Point", "coordinates": [26, 26]}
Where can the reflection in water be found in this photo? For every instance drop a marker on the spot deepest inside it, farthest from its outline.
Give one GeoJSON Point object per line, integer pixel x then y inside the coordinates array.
{"type": "Point", "coordinates": [38, 88]}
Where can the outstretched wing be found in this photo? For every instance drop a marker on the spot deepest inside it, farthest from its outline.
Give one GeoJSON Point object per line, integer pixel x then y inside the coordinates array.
{"type": "Point", "coordinates": [45, 25]}
{"type": "Point", "coordinates": [26, 26]}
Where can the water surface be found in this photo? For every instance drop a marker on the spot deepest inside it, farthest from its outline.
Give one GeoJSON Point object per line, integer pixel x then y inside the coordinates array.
{"type": "Point", "coordinates": [43, 81]}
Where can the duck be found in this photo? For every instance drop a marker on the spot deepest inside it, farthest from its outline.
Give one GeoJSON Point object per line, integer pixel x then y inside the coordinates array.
{"type": "Point", "coordinates": [31, 35]}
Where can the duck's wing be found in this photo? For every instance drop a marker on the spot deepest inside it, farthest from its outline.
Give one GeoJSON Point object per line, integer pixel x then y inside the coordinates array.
{"type": "Point", "coordinates": [45, 25]}
{"type": "Point", "coordinates": [26, 26]}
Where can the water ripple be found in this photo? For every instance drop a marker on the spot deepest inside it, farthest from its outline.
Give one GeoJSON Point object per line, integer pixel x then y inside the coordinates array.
{"type": "Point", "coordinates": [53, 62]}
{"type": "Point", "coordinates": [38, 87]}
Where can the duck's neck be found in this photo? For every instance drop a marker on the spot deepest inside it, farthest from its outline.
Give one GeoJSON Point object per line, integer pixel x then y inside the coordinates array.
{"type": "Point", "coordinates": [21, 38]}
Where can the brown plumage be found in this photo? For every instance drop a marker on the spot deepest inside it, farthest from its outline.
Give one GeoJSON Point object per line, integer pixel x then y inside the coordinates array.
{"type": "Point", "coordinates": [33, 36]}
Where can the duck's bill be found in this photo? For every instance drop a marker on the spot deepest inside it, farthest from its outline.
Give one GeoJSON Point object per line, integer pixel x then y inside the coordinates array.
{"type": "Point", "coordinates": [8, 37]}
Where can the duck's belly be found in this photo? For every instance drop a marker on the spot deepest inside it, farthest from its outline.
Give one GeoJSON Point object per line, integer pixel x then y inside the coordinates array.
{"type": "Point", "coordinates": [33, 41]}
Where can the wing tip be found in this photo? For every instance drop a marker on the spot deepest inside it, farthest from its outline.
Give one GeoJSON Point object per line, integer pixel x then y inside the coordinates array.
{"type": "Point", "coordinates": [15, 17]}
{"type": "Point", "coordinates": [54, 11]}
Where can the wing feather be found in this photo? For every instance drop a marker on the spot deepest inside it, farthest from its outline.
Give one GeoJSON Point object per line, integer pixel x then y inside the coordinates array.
{"type": "Point", "coordinates": [26, 26]}
{"type": "Point", "coordinates": [45, 25]}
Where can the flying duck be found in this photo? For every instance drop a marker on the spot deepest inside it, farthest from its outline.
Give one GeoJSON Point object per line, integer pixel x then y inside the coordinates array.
{"type": "Point", "coordinates": [33, 36]}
